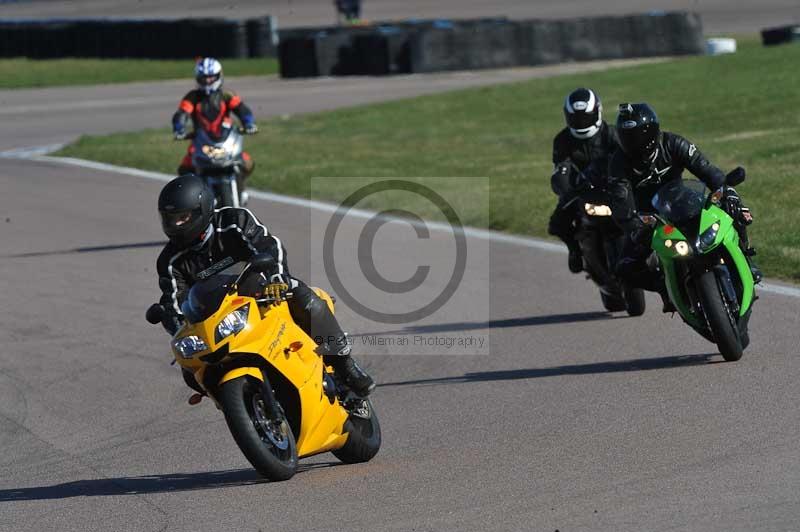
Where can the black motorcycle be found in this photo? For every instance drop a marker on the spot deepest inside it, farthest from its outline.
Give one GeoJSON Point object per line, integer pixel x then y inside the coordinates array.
{"type": "Point", "coordinates": [601, 242]}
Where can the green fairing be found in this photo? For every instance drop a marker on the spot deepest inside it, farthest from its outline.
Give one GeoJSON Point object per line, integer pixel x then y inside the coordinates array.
{"type": "Point", "coordinates": [726, 235]}
{"type": "Point", "coordinates": [667, 257]}
{"type": "Point", "coordinates": [729, 237]}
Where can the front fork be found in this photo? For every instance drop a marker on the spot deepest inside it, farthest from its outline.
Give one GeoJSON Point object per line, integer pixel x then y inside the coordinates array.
{"type": "Point", "coordinates": [273, 408]}
{"type": "Point", "coordinates": [684, 295]}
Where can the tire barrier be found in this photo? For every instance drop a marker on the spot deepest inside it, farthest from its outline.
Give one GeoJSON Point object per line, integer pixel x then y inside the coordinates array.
{"type": "Point", "coordinates": [384, 52]}
{"type": "Point", "coordinates": [323, 53]}
{"type": "Point", "coordinates": [780, 35]}
{"type": "Point", "coordinates": [473, 47]}
{"type": "Point", "coordinates": [418, 46]}
{"type": "Point", "coordinates": [151, 39]}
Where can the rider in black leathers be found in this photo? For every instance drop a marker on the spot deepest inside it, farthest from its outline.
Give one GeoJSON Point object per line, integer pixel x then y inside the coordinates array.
{"type": "Point", "coordinates": [582, 149]}
{"type": "Point", "coordinates": [647, 159]}
{"type": "Point", "coordinates": [204, 241]}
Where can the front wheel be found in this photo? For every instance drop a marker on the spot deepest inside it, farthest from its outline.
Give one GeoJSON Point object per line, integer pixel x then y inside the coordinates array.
{"type": "Point", "coordinates": [612, 303]}
{"type": "Point", "coordinates": [227, 195]}
{"type": "Point", "coordinates": [266, 443]}
{"type": "Point", "coordinates": [634, 300]}
{"type": "Point", "coordinates": [719, 317]}
{"type": "Point", "coordinates": [364, 437]}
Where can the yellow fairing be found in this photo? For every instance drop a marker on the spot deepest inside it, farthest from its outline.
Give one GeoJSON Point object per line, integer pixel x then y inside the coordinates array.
{"type": "Point", "coordinates": [271, 338]}
{"type": "Point", "coordinates": [241, 372]}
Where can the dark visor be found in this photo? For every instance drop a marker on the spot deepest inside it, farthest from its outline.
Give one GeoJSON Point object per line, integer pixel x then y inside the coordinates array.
{"type": "Point", "coordinates": [178, 219]}
{"type": "Point", "coordinates": [207, 80]}
{"type": "Point", "coordinates": [581, 120]}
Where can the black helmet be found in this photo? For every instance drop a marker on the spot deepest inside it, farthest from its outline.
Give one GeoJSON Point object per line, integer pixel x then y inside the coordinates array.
{"type": "Point", "coordinates": [583, 111]}
{"type": "Point", "coordinates": [638, 130]}
{"type": "Point", "coordinates": [186, 205]}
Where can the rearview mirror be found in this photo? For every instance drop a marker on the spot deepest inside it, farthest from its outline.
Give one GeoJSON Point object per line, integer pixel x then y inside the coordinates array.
{"type": "Point", "coordinates": [735, 177]}
{"type": "Point", "coordinates": [155, 314]}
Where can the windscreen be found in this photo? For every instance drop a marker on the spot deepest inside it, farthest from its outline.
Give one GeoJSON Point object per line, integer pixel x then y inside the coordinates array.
{"type": "Point", "coordinates": [205, 297]}
{"type": "Point", "coordinates": [680, 200]}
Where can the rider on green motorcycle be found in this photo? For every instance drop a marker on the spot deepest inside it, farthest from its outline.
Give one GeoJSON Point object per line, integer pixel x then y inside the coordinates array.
{"type": "Point", "coordinates": [647, 159]}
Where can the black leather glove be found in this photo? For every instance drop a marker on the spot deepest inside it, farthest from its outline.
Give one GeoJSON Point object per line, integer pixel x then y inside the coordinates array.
{"type": "Point", "coordinates": [735, 207]}
{"type": "Point", "coordinates": [639, 233]}
{"type": "Point", "coordinates": [560, 179]}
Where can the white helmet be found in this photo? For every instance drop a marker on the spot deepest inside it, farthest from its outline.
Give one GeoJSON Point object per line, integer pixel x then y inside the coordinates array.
{"type": "Point", "coordinates": [208, 73]}
{"type": "Point", "coordinates": [583, 112]}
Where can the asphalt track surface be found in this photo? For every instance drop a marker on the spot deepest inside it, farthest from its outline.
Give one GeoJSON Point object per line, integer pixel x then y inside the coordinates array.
{"type": "Point", "coordinates": [571, 419]}
{"type": "Point", "coordinates": [719, 16]}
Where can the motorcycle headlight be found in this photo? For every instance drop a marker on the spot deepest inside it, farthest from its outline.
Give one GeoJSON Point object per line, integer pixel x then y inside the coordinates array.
{"type": "Point", "coordinates": [597, 210]}
{"type": "Point", "coordinates": [189, 346]}
{"type": "Point", "coordinates": [708, 237]}
{"type": "Point", "coordinates": [682, 248]}
{"type": "Point", "coordinates": [232, 323]}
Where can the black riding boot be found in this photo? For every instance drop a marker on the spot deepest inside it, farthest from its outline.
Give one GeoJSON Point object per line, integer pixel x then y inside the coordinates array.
{"type": "Point", "coordinates": [749, 252]}
{"type": "Point", "coordinates": [355, 378]}
{"type": "Point", "coordinates": [575, 260]}
{"type": "Point", "coordinates": [667, 305]}
{"type": "Point", "coordinates": [562, 225]}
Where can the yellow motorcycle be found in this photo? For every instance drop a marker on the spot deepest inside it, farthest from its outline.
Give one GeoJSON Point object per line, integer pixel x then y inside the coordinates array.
{"type": "Point", "coordinates": [280, 401]}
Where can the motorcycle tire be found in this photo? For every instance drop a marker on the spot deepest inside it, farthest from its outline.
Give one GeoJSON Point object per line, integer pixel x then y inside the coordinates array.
{"type": "Point", "coordinates": [719, 318]}
{"type": "Point", "coordinates": [363, 440]}
{"type": "Point", "coordinates": [634, 300]}
{"type": "Point", "coordinates": [612, 303]}
{"type": "Point", "coordinates": [225, 197]}
{"type": "Point", "coordinates": [273, 453]}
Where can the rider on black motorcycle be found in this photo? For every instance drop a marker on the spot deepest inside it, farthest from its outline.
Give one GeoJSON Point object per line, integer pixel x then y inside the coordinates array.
{"type": "Point", "coordinates": [204, 241]}
{"type": "Point", "coordinates": [583, 148]}
{"type": "Point", "coordinates": [209, 107]}
{"type": "Point", "coordinates": [648, 158]}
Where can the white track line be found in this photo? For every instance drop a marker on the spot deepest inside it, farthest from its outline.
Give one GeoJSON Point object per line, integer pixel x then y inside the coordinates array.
{"type": "Point", "coordinates": [37, 154]}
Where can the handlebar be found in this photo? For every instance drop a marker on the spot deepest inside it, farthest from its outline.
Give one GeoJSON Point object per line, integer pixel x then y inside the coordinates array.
{"type": "Point", "coordinates": [192, 134]}
{"type": "Point", "coordinates": [274, 300]}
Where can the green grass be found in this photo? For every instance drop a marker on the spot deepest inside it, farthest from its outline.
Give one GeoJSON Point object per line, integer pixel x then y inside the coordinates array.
{"type": "Point", "coordinates": [19, 73]}
{"type": "Point", "coordinates": [739, 109]}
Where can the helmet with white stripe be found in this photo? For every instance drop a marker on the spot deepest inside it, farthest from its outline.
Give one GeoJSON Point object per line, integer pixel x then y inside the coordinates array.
{"type": "Point", "coordinates": [583, 111]}
{"type": "Point", "coordinates": [208, 73]}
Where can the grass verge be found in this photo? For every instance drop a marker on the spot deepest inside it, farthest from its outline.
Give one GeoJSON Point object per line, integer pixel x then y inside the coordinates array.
{"type": "Point", "coordinates": [738, 108]}
{"type": "Point", "coordinates": [20, 73]}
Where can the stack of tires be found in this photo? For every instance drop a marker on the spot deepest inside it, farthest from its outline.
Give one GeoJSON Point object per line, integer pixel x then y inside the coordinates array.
{"type": "Point", "coordinates": [444, 45]}
{"type": "Point", "coordinates": [151, 39]}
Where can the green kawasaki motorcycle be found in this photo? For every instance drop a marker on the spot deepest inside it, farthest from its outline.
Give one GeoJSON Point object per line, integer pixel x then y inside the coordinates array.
{"type": "Point", "coordinates": [707, 274]}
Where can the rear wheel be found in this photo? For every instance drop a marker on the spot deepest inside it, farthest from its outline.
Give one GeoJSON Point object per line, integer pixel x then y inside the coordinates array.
{"type": "Point", "coordinates": [719, 317]}
{"type": "Point", "coordinates": [634, 300]}
{"type": "Point", "coordinates": [363, 440]}
{"type": "Point", "coordinates": [266, 443]}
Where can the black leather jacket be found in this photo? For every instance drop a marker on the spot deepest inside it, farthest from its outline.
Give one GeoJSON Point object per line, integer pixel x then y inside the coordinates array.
{"type": "Point", "coordinates": [590, 156]}
{"type": "Point", "coordinates": [632, 187]}
{"type": "Point", "coordinates": [236, 236]}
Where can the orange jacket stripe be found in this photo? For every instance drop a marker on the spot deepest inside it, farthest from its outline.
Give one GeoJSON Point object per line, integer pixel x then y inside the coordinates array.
{"type": "Point", "coordinates": [186, 106]}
